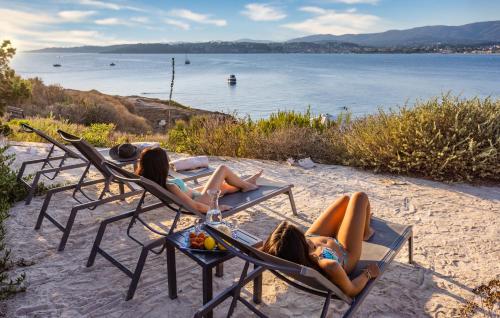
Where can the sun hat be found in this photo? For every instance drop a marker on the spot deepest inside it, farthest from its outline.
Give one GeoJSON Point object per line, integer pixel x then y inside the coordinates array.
{"type": "Point", "coordinates": [124, 152]}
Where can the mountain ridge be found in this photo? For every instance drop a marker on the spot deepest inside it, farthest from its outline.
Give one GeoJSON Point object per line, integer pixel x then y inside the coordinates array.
{"type": "Point", "coordinates": [467, 34]}
{"type": "Point", "coordinates": [414, 40]}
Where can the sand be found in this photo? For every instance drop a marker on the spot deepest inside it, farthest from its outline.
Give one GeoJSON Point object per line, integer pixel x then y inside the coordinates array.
{"type": "Point", "coordinates": [456, 248]}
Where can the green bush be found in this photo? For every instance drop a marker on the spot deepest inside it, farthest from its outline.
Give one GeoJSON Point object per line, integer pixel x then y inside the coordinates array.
{"type": "Point", "coordinates": [447, 139]}
{"type": "Point", "coordinates": [10, 191]}
{"type": "Point", "coordinates": [444, 139]}
{"type": "Point", "coordinates": [100, 135]}
{"type": "Point", "coordinates": [13, 88]}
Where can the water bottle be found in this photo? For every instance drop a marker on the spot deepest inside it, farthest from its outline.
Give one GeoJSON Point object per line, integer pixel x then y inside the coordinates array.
{"type": "Point", "coordinates": [214, 215]}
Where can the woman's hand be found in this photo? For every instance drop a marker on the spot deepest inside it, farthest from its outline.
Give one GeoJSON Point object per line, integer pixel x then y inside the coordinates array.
{"type": "Point", "coordinates": [224, 207]}
{"type": "Point", "coordinates": [373, 270]}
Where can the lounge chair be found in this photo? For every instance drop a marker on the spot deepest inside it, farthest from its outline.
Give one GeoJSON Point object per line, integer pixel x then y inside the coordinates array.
{"type": "Point", "coordinates": [96, 158]}
{"type": "Point", "coordinates": [93, 158]}
{"type": "Point", "coordinates": [239, 201]}
{"type": "Point", "coordinates": [381, 248]}
{"type": "Point", "coordinates": [49, 169]}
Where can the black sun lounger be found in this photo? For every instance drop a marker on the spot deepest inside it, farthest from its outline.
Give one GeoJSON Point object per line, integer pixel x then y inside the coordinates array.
{"type": "Point", "coordinates": [49, 169]}
{"type": "Point", "coordinates": [239, 201]}
{"type": "Point", "coordinates": [93, 158]}
{"type": "Point", "coordinates": [388, 240]}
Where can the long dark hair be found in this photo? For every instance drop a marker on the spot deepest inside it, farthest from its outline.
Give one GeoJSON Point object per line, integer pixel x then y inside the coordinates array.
{"type": "Point", "coordinates": [289, 243]}
{"type": "Point", "coordinates": [153, 164]}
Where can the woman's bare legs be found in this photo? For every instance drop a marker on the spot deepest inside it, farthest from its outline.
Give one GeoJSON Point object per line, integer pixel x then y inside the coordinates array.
{"type": "Point", "coordinates": [328, 223]}
{"type": "Point", "coordinates": [227, 188]}
{"type": "Point", "coordinates": [225, 180]}
{"type": "Point", "coordinates": [354, 226]}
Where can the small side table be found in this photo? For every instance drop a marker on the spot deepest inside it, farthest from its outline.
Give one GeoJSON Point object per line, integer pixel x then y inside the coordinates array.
{"type": "Point", "coordinates": [207, 261]}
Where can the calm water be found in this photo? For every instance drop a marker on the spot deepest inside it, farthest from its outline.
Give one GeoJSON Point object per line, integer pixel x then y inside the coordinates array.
{"type": "Point", "coordinates": [267, 82]}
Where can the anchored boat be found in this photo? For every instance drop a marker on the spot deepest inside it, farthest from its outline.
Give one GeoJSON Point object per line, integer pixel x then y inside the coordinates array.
{"type": "Point", "coordinates": [231, 79]}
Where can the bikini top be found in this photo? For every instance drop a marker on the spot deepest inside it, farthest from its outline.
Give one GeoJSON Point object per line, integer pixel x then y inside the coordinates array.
{"type": "Point", "coordinates": [183, 187]}
{"type": "Point", "coordinates": [331, 254]}
{"type": "Point", "coordinates": [179, 183]}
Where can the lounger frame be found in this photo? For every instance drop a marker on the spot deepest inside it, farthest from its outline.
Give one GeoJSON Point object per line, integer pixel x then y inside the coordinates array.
{"type": "Point", "coordinates": [166, 200]}
{"type": "Point", "coordinates": [93, 158]}
{"type": "Point", "coordinates": [284, 270]}
{"type": "Point", "coordinates": [49, 169]}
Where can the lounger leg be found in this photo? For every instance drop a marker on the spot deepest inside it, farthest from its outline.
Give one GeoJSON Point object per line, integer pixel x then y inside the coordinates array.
{"type": "Point", "coordinates": [292, 202]}
{"type": "Point", "coordinates": [257, 288]}
{"type": "Point", "coordinates": [122, 190]}
{"type": "Point", "coordinates": [97, 243]}
{"type": "Point", "coordinates": [237, 290]}
{"type": "Point", "coordinates": [326, 305]}
{"type": "Point", "coordinates": [45, 205]}
{"type": "Point", "coordinates": [34, 186]}
{"type": "Point", "coordinates": [137, 273]}
{"type": "Point", "coordinates": [67, 230]}
{"type": "Point", "coordinates": [410, 249]}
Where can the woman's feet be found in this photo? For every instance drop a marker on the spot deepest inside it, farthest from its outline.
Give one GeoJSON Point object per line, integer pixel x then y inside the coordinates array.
{"type": "Point", "coordinates": [252, 182]}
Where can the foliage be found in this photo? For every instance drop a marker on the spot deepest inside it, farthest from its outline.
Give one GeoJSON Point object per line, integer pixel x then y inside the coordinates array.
{"type": "Point", "coordinates": [100, 135]}
{"type": "Point", "coordinates": [447, 138]}
{"type": "Point", "coordinates": [10, 191]}
{"type": "Point", "coordinates": [84, 108]}
{"type": "Point", "coordinates": [13, 88]}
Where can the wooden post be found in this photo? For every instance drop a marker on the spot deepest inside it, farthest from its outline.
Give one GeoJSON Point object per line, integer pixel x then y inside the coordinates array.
{"type": "Point", "coordinates": [172, 82]}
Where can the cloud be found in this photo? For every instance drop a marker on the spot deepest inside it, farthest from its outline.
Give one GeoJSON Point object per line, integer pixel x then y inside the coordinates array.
{"type": "Point", "coordinates": [263, 12]}
{"type": "Point", "coordinates": [143, 20]}
{"type": "Point", "coordinates": [356, 1]}
{"type": "Point", "coordinates": [327, 21]}
{"type": "Point", "coordinates": [108, 5]}
{"type": "Point", "coordinates": [111, 21]}
{"type": "Point", "coordinates": [179, 24]}
{"type": "Point", "coordinates": [75, 16]}
{"type": "Point", "coordinates": [196, 17]}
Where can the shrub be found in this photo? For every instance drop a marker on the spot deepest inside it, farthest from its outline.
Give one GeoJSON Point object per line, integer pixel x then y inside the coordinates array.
{"type": "Point", "coordinates": [13, 88]}
{"type": "Point", "coordinates": [10, 191]}
{"type": "Point", "coordinates": [100, 135]}
{"type": "Point", "coordinates": [82, 107]}
{"type": "Point", "coordinates": [447, 139]}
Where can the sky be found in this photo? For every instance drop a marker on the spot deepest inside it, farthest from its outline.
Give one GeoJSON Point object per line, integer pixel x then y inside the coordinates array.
{"type": "Point", "coordinates": [36, 24]}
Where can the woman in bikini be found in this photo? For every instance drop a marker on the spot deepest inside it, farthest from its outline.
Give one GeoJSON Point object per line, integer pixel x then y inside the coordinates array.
{"type": "Point", "coordinates": [153, 164]}
{"type": "Point", "coordinates": [332, 245]}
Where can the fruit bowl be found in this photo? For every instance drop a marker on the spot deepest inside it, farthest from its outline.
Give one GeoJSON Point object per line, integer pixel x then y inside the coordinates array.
{"type": "Point", "coordinates": [201, 242]}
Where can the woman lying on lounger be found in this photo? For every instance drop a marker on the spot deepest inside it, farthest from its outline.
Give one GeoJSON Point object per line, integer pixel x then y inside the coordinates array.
{"type": "Point", "coordinates": [332, 245]}
{"type": "Point", "coordinates": [154, 165]}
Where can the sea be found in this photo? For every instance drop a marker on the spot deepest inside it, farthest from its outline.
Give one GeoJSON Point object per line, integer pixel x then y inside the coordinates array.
{"type": "Point", "coordinates": [325, 83]}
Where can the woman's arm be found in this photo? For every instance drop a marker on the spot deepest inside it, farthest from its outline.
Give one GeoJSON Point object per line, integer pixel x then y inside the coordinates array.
{"type": "Point", "coordinates": [187, 200]}
{"type": "Point", "coordinates": [338, 276]}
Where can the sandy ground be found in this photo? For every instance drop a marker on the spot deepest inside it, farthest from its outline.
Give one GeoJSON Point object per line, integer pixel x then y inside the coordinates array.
{"type": "Point", "coordinates": [457, 240]}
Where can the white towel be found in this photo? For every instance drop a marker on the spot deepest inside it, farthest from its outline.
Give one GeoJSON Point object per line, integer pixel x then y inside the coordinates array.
{"type": "Point", "coordinates": [189, 163]}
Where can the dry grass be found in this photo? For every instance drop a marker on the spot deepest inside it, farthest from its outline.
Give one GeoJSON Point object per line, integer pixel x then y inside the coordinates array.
{"type": "Point", "coordinates": [100, 135]}
{"type": "Point", "coordinates": [82, 107]}
{"type": "Point", "coordinates": [446, 139]}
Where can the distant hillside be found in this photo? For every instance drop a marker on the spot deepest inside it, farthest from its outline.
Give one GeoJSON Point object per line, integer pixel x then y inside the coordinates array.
{"type": "Point", "coordinates": [468, 34]}
{"type": "Point", "coordinates": [212, 47]}
{"type": "Point", "coordinates": [428, 39]}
